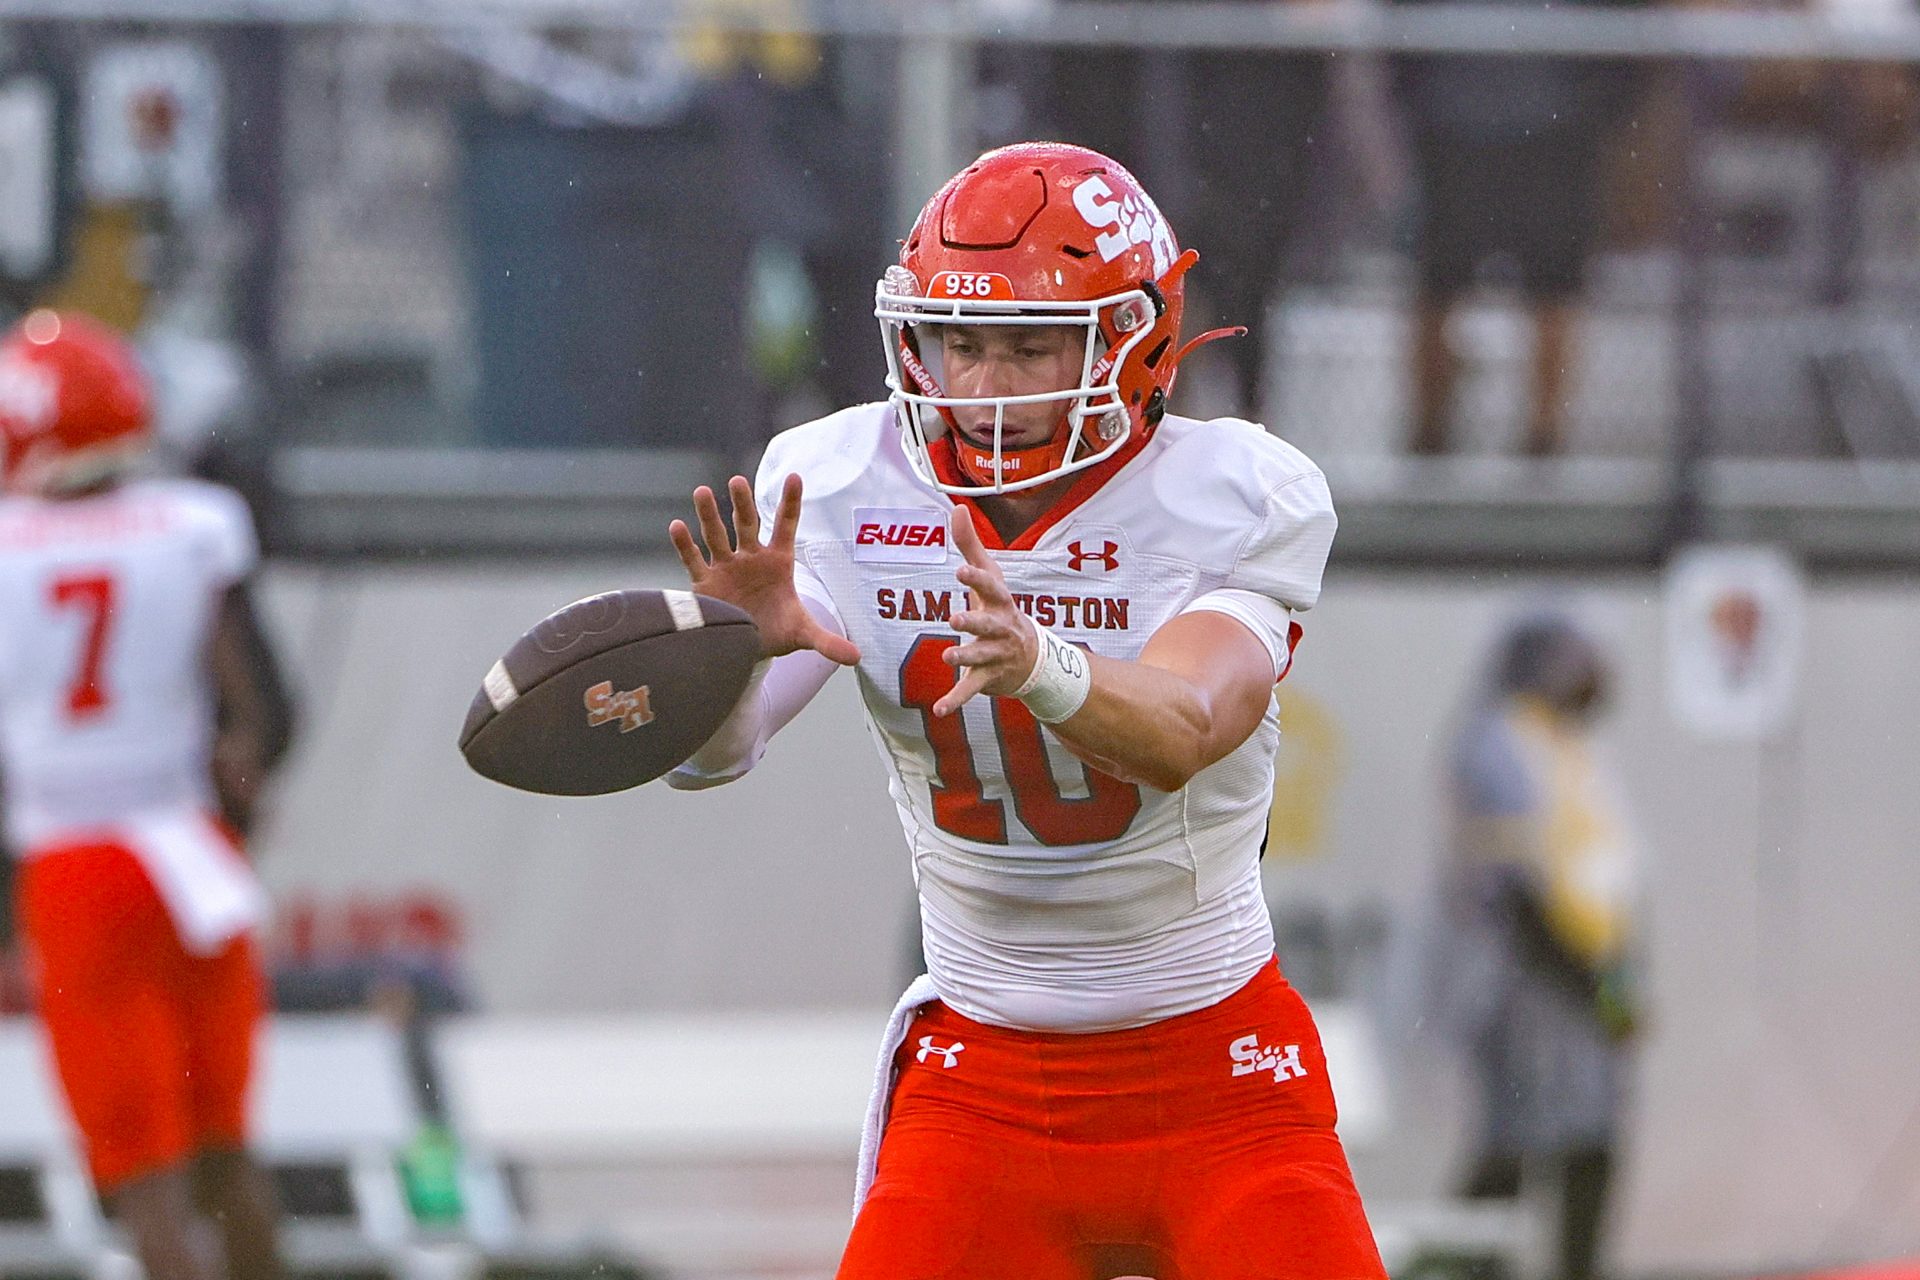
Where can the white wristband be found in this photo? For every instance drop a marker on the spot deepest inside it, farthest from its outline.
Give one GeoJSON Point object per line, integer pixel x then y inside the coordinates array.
{"type": "Point", "coordinates": [1060, 680]}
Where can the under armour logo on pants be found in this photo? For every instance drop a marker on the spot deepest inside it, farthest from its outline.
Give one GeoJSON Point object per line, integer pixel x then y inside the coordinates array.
{"type": "Point", "coordinates": [949, 1052]}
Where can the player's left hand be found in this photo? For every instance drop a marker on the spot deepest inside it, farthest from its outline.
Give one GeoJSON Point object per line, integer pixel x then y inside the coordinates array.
{"type": "Point", "coordinates": [1003, 644]}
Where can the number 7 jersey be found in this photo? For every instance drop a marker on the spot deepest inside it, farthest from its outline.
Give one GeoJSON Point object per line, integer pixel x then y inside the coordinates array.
{"type": "Point", "coordinates": [106, 609]}
{"type": "Point", "coordinates": [1054, 896]}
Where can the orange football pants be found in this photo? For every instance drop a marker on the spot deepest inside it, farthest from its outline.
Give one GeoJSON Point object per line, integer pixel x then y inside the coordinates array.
{"type": "Point", "coordinates": [1197, 1148]}
{"type": "Point", "coordinates": [153, 1045]}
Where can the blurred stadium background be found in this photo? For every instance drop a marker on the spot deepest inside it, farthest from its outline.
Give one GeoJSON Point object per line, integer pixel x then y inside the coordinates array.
{"type": "Point", "coordinates": [467, 296]}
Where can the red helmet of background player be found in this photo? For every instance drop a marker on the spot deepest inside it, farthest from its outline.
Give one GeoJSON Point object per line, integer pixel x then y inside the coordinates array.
{"type": "Point", "coordinates": [74, 404]}
{"type": "Point", "coordinates": [1036, 234]}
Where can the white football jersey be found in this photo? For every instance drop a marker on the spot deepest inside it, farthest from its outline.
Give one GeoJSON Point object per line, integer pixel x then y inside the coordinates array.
{"type": "Point", "coordinates": [106, 609]}
{"type": "Point", "coordinates": [1054, 896]}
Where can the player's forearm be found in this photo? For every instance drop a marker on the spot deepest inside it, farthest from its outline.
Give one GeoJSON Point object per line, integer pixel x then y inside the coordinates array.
{"type": "Point", "coordinates": [779, 689]}
{"type": "Point", "coordinates": [736, 745]}
{"type": "Point", "coordinates": [1143, 724]}
{"type": "Point", "coordinates": [7, 868]}
{"type": "Point", "coordinates": [6, 877]}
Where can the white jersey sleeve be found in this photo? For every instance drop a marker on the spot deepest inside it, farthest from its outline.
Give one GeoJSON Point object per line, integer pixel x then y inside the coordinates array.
{"type": "Point", "coordinates": [780, 689]}
{"type": "Point", "coordinates": [1276, 570]}
{"type": "Point", "coordinates": [227, 543]}
{"type": "Point", "coordinates": [1286, 552]}
{"type": "Point", "coordinates": [787, 455]}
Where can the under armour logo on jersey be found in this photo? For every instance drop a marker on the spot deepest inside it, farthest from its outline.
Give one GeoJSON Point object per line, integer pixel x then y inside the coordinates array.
{"type": "Point", "coordinates": [1108, 556]}
{"type": "Point", "coordinates": [1249, 1056]}
{"type": "Point", "coordinates": [631, 707]}
{"type": "Point", "coordinates": [949, 1052]}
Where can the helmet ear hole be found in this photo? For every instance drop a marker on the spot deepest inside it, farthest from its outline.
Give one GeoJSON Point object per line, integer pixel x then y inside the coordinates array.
{"type": "Point", "coordinates": [1131, 315]}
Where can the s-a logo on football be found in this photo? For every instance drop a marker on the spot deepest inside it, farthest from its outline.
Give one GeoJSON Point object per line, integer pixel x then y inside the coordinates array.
{"type": "Point", "coordinates": [631, 707]}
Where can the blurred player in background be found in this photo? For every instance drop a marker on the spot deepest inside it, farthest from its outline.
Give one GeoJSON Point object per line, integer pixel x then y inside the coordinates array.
{"type": "Point", "coordinates": [1535, 970]}
{"type": "Point", "coordinates": [140, 711]}
{"type": "Point", "coordinates": [1068, 609]}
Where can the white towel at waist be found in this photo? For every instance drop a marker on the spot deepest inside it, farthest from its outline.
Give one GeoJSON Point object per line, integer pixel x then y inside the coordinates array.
{"type": "Point", "coordinates": [210, 892]}
{"type": "Point", "coordinates": [919, 992]}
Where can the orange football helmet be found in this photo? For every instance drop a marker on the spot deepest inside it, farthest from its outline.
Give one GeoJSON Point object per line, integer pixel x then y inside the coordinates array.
{"type": "Point", "coordinates": [74, 404]}
{"type": "Point", "coordinates": [1038, 233]}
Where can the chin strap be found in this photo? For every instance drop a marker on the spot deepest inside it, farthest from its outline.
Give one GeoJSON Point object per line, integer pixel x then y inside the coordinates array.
{"type": "Point", "coordinates": [976, 464]}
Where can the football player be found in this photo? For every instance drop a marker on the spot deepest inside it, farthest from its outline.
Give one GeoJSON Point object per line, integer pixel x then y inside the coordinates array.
{"type": "Point", "coordinates": [1068, 608]}
{"type": "Point", "coordinates": [140, 710]}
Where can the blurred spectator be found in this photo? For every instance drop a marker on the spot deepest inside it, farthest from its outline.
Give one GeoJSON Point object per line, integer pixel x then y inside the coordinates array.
{"type": "Point", "coordinates": [402, 956]}
{"type": "Point", "coordinates": [147, 236]}
{"type": "Point", "coordinates": [742, 162]}
{"type": "Point", "coordinates": [1507, 158]}
{"type": "Point", "coordinates": [1872, 107]}
{"type": "Point", "coordinates": [1256, 116]}
{"type": "Point", "coordinates": [1534, 973]}
{"type": "Point", "coordinates": [140, 713]}
{"type": "Point", "coordinates": [1229, 136]}
{"type": "Point", "coordinates": [401, 959]}
{"type": "Point", "coordinates": [810, 142]}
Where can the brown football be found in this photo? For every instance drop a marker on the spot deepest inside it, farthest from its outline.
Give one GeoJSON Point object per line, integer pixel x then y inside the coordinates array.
{"type": "Point", "coordinates": [610, 692]}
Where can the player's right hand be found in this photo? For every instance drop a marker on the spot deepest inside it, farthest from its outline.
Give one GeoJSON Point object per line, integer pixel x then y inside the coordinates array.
{"type": "Point", "coordinates": [756, 576]}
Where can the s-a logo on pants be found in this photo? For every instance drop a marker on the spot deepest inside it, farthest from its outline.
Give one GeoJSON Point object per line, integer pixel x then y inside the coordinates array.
{"type": "Point", "coordinates": [1249, 1056]}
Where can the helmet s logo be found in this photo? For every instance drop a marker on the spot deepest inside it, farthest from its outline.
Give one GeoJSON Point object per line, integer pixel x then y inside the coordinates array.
{"type": "Point", "coordinates": [989, 285]}
{"type": "Point", "coordinates": [1107, 557]}
{"type": "Point", "coordinates": [28, 396]}
{"type": "Point", "coordinates": [1124, 222]}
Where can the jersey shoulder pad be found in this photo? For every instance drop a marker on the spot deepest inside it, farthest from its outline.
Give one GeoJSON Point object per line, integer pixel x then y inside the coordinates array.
{"type": "Point", "coordinates": [1242, 456]}
{"type": "Point", "coordinates": [218, 518]}
{"type": "Point", "coordinates": [828, 453]}
{"type": "Point", "coordinates": [1266, 502]}
{"type": "Point", "coordinates": [848, 461]}
{"type": "Point", "coordinates": [14, 511]}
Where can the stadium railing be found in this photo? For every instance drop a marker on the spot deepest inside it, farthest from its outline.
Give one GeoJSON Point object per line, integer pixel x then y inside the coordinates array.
{"type": "Point", "coordinates": [333, 1094]}
{"type": "Point", "coordinates": [359, 269]}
